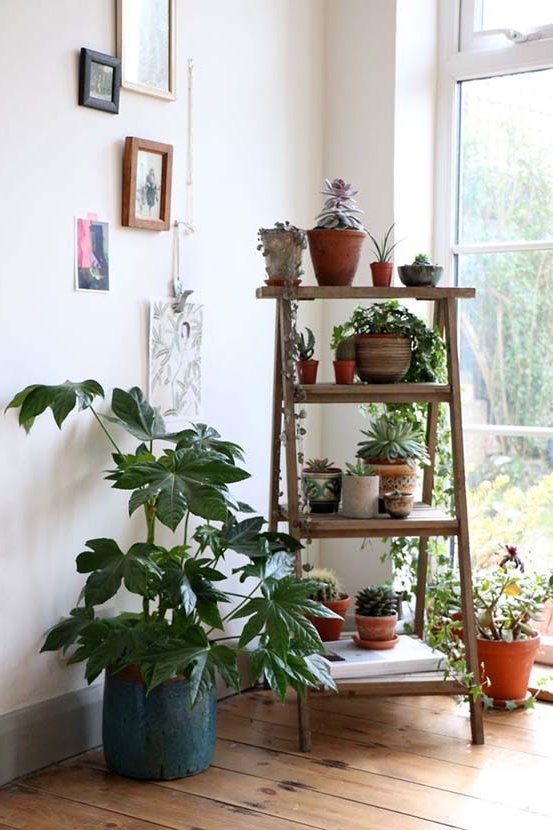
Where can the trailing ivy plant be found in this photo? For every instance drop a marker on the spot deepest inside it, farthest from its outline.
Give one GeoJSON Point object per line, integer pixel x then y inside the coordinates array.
{"type": "Point", "coordinates": [179, 630]}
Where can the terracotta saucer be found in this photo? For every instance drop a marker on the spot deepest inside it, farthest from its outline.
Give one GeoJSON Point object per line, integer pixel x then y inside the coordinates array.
{"type": "Point", "coordinates": [375, 645]}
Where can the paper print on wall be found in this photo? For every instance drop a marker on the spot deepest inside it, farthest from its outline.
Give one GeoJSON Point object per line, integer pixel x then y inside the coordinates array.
{"type": "Point", "coordinates": [175, 361]}
{"type": "Point", "coordinates": [92, 254]}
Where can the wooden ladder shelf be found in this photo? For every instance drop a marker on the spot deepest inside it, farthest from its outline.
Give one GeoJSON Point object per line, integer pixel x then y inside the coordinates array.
{"type": "Point", "coordinates": [424, 521]}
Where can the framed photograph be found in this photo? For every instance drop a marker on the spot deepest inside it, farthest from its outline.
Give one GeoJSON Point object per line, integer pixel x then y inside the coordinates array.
{"type": "Point", "coordinates": [99, 81]}
{"type": "Point", "coordinates": [91, 254]}
{"type": "Point", "coordinates": [147, 169]}
{"type": "Point", "coordinates": [146, 45]}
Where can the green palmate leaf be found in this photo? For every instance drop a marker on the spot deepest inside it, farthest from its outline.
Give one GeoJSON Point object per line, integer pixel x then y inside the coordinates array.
{"type": "Point", "coordinates": [61, 399]}
{"type": "Point", "coordinates": [133, 412]}
{"type": "Point", "coordinates": [276, 566]}
{"type": "Point", "coordinates": [109, 566]}
{"type": "Point", "coordinates": [245, 537]}
{"type": "Point", "coordinates": [203, 437]}
{"type": "Point", "coordinates": [66, 632]}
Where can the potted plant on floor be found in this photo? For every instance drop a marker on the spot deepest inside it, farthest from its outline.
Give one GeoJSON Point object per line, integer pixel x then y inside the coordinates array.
{"type": "Point", "coordinates": [282, 247]}
{"type": "Point", "coordinates": [161, 662]}
{"type": "Point", "coordinates": [376, 617]}
{"type": "Point", "coordinates": [336, 240]}
{"type": "Point", "coordinates": [305, 364]}
{"type": "Point", "coordinates": [394, 448]}
{"type": "Point", "coordinates": [381, 268]}
{"type": "Point", "coordinates": [420, 272]}
{"type": "Point", "coordinates": [360, 488]}
{"type": "Point", "coordinates": [343, 344]}
{"type": "Point", "coordinates": [322, 485]}
{"type": "Point", "coordinates": [330, 594]}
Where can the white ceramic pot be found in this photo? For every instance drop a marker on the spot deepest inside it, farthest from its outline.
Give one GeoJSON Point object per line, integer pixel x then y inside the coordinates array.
{"type": "Point", "coordinates": [360, 496]}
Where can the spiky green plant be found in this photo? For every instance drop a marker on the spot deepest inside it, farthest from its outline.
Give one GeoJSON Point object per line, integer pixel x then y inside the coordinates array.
{"type": "Point", "coordinates": [376, 601]}
{"type": "Point", "coordinates": [383, 250]}
{"type": "Point", "coordinates": [359, 468]}
{"type": "Point", "coordinates": [422, 259]}
{"type": "Point", "coordinates": [305, 344]}
{"type": "Point", "coordinates": [329, 589]}
{"type": "Point", "coordinates": [319, 465]}
{"type": "Point", "coordinates": [393, 440]}
{"type": "Point", "coordinates": [340, 208]}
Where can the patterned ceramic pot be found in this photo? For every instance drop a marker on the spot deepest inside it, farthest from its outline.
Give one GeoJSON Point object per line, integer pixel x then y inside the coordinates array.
{"type": "Point", "coordinates": [398, 505]}
{"type": "Point", "coordinates": [322, 490]}
{"type": "Point", "coordinates": [394, 475]}
{"type": "Point", "coordinates": [382, 358]}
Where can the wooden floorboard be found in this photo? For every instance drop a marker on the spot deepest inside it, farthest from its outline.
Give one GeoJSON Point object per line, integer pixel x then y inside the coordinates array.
{"type": "Point", "coordinates": [399, 764]}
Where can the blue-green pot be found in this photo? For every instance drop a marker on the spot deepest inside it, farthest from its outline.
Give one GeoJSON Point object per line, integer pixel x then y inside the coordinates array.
{"type": "Point", "coordinates": [157, 736]}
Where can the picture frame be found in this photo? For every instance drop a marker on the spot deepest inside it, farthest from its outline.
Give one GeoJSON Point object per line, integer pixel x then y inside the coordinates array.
{"type": "Point", "coordinates": [92, 257]}
{"type": "Point", "coordinates": [146, 44]}
{"type": "Point", "coordinates": [99, 81]}
{"type": "Point", "coordinates": [147, 172]}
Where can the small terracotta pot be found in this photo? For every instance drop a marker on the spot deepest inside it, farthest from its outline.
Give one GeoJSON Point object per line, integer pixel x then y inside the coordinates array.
{"type": "Point", "coordinates": [307, 371]}
{"type": "Point", "coordinates": [360, 496]}
{"type": "Point", "coordinates": [282, 282]}
{"type": "Point", "coordinates": [335, 254]}
{"type": "Point", "coordinates": [508, 667]}
{"type": "Point", "coordinates": [381, 273]}
{"type": "Point", "coordinates": [398, 505]}
{"type": "Point", "coordinates": [382, 358]}
{"type": "Point", "coordinates": [344, 370]}
{"type": "Point", "coordinates": [328, 628]}
{"type": "Point", "coordinates": [376, 629]}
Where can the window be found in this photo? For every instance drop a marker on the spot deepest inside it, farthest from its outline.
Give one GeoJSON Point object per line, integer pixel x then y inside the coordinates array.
{"type": "Point", "coordinates": [492, 24]}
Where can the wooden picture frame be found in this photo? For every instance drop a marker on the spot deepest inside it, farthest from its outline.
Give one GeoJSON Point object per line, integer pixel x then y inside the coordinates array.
{"type": "Point", "coordinates": [147, 171]}
{"type": "Point", "coordinates": [99, 81]}
{"type": "Point", "coordinates": [146, 44]}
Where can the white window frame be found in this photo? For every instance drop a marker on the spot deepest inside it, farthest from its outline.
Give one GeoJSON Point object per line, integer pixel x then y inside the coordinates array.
{"type": "Point", "coordinates": [473, 38]}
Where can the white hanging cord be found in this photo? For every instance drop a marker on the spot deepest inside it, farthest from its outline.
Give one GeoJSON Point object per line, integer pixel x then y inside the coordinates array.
{"type": "Point", "coordinates": [187, 224]}
{"type": "Point", "coordinates": [189, 147]}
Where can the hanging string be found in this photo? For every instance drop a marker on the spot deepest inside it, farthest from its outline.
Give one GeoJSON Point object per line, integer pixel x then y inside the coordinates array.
{"type": "Point", "coordinates": [189, 147]}
{"type": "Point", "coordinates": [187, 224]}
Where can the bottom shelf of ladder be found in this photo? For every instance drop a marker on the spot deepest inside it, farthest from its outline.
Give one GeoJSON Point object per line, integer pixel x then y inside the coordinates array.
{"type": "Point", "coordinates": [422, 683]}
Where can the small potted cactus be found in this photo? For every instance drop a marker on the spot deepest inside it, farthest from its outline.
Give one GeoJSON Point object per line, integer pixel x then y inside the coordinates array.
{"type": "Point", "coordinates": [335, 241]}
{"type": "Point", "coordinates": [343, 344]}
{"type": "Point", "coordinates": [282, 248]}
{"type": "Point", "coordinates": [322, 485]}
{"type": "Point", "coordinates": [360, 486]}
{"type": "Point", "coordinates": [376, 617]}
{"type": "Point", "coordinates": [305, 364]}
{"type": "Point", "coordinates": [420, 272]}
{"type": "Point", "coordinates": [331, 595]}
{"type": "Point", "coordinates": [394, 448]}
{"type": "Point", "coordinates": [381, 267]}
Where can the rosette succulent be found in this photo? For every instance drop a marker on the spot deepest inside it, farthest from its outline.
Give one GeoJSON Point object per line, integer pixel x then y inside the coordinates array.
{"type": "Point", "coordinates": [340, 208]}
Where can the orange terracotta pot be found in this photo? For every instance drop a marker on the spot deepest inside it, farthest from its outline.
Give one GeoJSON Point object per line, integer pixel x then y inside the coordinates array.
{"type": "Point", "coordinates": [307, 371]}
{"type": "Point", "coordinates": [381, 273]}
{"type": "Point", "coordinates": [328, 628]}
{"type": "Point", "coordinates": [508, 667]}
{"type": "Point", "coordinates": [394, 475]}
{"type": "Point", "coordinates": [376, 628]}
{"type": "Point", "coordinates": [344, 370]}
{"type": "Point", "coordinates": [335, 254]}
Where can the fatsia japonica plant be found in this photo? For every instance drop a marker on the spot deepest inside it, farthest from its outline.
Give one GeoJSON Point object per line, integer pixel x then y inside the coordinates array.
{"type": "Point", "coordinates": [179, 630]}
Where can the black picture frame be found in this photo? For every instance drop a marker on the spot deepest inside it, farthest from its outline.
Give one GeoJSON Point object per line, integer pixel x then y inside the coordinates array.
{"type": "Point", "coordinates": [87, 98]}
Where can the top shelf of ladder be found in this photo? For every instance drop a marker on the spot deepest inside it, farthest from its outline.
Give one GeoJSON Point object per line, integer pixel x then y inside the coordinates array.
{"type": "Point", "coordinates": [363, 292]}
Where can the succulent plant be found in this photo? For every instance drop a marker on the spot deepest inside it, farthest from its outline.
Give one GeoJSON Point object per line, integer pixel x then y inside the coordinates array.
{"type": "Point", "coordinates": [383, 250]}
{"type": "Point", "coordinates": [376, 601]}
{"type": "Point", "coordinates": [305, 345]}
{"type": "Point", "coordinates": [343, 343]}
{"type": "Point", "coordinates": [340, 208]}
{"type": "Point", "coordinates": [422, 259]}
{"type": "Point", "coordinates": [393, 440]}
{"type": "Point", "coordinates": [319, 465]}
{"type": "Point", "coordinates": [359, 469]}
{"type": "Point", "coordinates": [330, 588]}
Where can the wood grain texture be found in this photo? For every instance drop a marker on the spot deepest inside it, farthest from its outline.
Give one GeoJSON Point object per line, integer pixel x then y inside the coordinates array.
{"type": "Point", "coordinates": [363, 292]}
{"type": "Point", "coordinates": [423, 521]}
{"type": "Point", "coordinates": [372, 392]}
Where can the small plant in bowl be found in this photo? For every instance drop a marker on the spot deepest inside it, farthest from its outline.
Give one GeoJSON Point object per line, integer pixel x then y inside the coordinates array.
{"type": "Point", "coordinates": [360, 485]}
{"type": "Point", "coordinates": [420, 272]}
{"type": "Point", "coordinates": [282, 248]}
{"type": "Point", "coordinates": [376, 617]}
{"type": "Point", "coordinates": [381, 267]}
{"type": "Point", "coordinates": [394, 448]}
{"type": "Point", "coordinates": [335, 242]}
{"type": "Point", "coordinates": [343, 343]}
{"type": "Point", "coordinates": [305, 364]}
{"type": "Point", "coordinates": [399, 505]}
{"type": "Point", "coordinates": [322, 485]}
{"type": "Point", "coordinates": [331, 595]}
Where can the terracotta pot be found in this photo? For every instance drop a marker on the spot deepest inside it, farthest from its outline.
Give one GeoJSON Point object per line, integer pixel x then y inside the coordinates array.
{"type": "Point", "coordinates": [508, 667]}
{"type": "Point", "coordinates": [360, 496]}
{"type": "Point", "coordinates": [381, 273]}
{"type": "Point", "coordinates": [344, 370]}
{"type": "Point", "coordinates": [398, 506]}
{"type": "Point", "coordinates": [335, 254]}
{"type": "Point", "coordinates": [328, 628]}
{"type": "Point", "coordinates": [282, 282]}
{"type": "Point", "coordinates": [382, 358]}
{"type": "Point", "coordinates": [376, 629]}
{"type": "Point", "coordinates": [307, 371]}
{"type": "Point", "coordinates": [322, 490]}
{"type": "Point", "coordinates": [394, 475]}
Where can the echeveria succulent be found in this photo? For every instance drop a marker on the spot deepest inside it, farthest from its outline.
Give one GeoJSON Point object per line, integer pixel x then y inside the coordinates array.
{"type": "Point", "coordinates": [340, 208]}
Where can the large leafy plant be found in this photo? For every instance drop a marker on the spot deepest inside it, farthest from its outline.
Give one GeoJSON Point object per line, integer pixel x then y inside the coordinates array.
{"type": "Point", "coordinates": [179, 630]}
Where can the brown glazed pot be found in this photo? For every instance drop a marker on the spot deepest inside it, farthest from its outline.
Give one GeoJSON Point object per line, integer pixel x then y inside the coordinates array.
{"type": "Point", "coordinates": [381, 273]}
{"type": "Point", "coordinates": [399, 505]}
{"type": "Point", "coordinates": [328, 628]}
{"type": "Point", "coordinates": [307, 371]}
{"type": "Point", "coordinates": [344, 371]}
{"type": "Point", "coordinates": [376, 629]}
{"type": "Point", "coordinates": [382, 358]}
{"type": "Point", "coordinates": [508, 667]}
{"type": "Point", "coordinates": [335, 254]}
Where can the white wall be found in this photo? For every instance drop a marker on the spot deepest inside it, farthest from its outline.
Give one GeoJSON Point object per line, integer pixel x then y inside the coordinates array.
{"type": "Point", "coordinates": [257, 154]}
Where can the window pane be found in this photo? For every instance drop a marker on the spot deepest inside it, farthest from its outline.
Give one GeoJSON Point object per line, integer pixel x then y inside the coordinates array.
{"type": "Point", "coordinates": [506, 171]}
{"type": "Point", "coordinates": [516, 14]}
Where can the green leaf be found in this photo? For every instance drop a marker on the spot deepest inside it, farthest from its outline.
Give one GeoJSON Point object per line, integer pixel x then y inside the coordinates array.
{"type": "Point", "coordinates": [203, 437]}
{"type": "Point", "coordinates": [66, 632]}
{"type": "Point", "coordinates": [134, 413]}
{"type": "Point", "coordinates": [251, 629]}
{"type": "Point", "coordinates": [61, 399]}
{"type": "Point", "coordinates": [139, 568]}
{"type": "Point", "coordinates": [103, 553]}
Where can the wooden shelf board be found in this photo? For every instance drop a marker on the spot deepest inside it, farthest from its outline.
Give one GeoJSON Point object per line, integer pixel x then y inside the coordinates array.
{"type": "Point", "coordinates": [373, 393]}
{"type": "Point", "coordinates": [423, 521]}
{"type": "Point", "coordinates": [422, 683]}
{"type": "Point", "coordinates": [364, 292]}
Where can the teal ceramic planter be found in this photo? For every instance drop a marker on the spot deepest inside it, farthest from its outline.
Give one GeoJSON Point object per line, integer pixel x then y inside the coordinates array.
{"type": "Point", "coordinates": [157, 736]}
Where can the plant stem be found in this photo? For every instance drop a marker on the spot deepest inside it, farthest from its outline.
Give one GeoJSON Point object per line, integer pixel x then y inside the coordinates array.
{"type": "Point", "coordinates": [110, 439]}
{"type": "Point", "coordinates": [146, 608]}
{"type": "Point", "coordinates": [186, 527]}
{"type": "Point", "coordinates": [240, 604]}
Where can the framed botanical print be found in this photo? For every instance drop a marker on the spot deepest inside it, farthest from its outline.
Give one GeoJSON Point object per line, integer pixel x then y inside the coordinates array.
{"type": "Point", "coordinates": [146, 34]}
{"type": "Point", "coordinates": [99, 81]}
{"type": "Point", "coordinates": [147, 170]}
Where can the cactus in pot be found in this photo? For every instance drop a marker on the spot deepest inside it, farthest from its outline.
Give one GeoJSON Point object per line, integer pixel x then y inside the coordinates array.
{"type": "Point", "coordinates": [343, 343]}
{"type": "Point", "coordinates": [376, 617]}
{"type": "Point", "coordinates": [305, 364]}
{"type": "Point", "coordinates": [331, 595]}
{"type": "Point", "coordinates": [420, 272]}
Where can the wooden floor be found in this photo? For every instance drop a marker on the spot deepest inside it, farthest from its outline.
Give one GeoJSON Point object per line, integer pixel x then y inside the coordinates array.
{"type": "Point", "coordinates": [391, 764]}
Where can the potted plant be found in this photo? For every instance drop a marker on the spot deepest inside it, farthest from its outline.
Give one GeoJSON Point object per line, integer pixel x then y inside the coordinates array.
{"type": "Point", "coordinates": [161, 662]}
{"type": "Point", "coordinates": [344, 353]}
{"type": "Point", "coordinates": [391, 344]}
{"type": "Point", "coordinates": [394, 448]}
{"type": "Point", "coordinates": [282, 247]}
{"type": "Point", "coordinates": [336, 240]}
{"type": "Point", "coordinates": [360, 487]}
{"type": "Point", "coordinates": [399, 505]}
{"type": "Point", "coordinates": [305, 364]}
{"type": "Point", "coordinates": [376, 617]}
{"type": "Point", "coordinates": [330, 594]}
{"type": "Point", "coordinates": [381, 268]}
{"type": "Point", "coordinates": [420, 272]}
{"type": "Point", "coordinates": [322, 485]}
